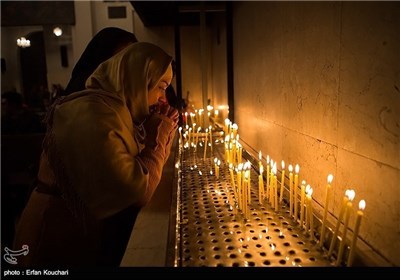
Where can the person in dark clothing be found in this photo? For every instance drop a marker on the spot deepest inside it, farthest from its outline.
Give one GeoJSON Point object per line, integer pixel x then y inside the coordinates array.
{"type": "Point", "coordinates": [103, 45]}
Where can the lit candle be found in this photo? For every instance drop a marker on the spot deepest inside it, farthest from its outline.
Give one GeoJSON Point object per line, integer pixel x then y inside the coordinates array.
{"type": "Point", "coordinates": [248, 167]}
{"type": "Point", "coordinates": [234, 130]}
{"type": "Point", "coordinates": [267, 177]}
{"type": "Point", "coordinates": [180, 135]}
{"type": "Point", "coordinates": [349, 209]}
{"type": "Point", "coordinates": [282, 182]}
{"type": "Point", "coordinates": [327, 196]}
{"type": "Point", "coordinates": [302, 197]}
{"type": "Point", "coordinates": [197, 136]}
{"type": "Point", "coordinates": [211, 141]}
{"type": "Point", "coordinates": [216, 167]}
{"type": "Point", "coordinates": [205, 145]}
{"type": "Point", "coordinates": [271, 184]}
{"type": "Point", "coordinates": [295, 186]}
{"type": "Point", "coordinates": [290, 190]}
{"type": "Point", "coordinates": [226, 127]}
{"type": "Point", "coordinates": [261, 185]}
{"type": "Point", "coordinates": [360, 214]}
{"type": "Point", "coordinates": [310, 212]}
{"type": "Point", "coordinates": [307, 222]}
{"type": "Point", "coordinates": [275, 188]}
{"type": "Point", "coordinates": [232, 176]}
{"type": "Point", "coordinates": [338, 222]}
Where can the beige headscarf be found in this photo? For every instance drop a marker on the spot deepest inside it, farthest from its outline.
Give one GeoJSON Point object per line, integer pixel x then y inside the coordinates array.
{"type": "Point", "coordinates": [99, 117]}
{"type": "Point", "coordinates": [130, 74]}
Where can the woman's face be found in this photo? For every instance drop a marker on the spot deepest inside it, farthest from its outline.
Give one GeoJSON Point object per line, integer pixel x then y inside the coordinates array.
{"type": "Point", "coordinates": [157, 94]}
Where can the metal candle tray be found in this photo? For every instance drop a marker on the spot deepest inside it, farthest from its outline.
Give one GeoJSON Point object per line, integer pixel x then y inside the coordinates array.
{"type": "Point", "coordinates": [212, 232]}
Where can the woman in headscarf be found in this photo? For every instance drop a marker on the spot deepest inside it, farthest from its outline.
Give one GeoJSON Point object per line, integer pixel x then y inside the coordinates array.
{"type": "Point", "coordinates": [103, 45]}
{"type": "Point", "coordinates": [102, 159]}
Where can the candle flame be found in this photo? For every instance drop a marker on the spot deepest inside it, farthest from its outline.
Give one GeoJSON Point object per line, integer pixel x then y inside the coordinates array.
{"type": "Point", "coordinates": [274, 170]}
{"type": "Point", "coordinates": [297, 169]}
{"type": "Point", "coordinates": [351, 194]}
{"type": "Point", "coordinates": [267, 159]}
{"type": "Point", "coordinates": [227, 121]}
{"type": "Point", "coordinates": [260, 155]}
{"type": "Point", "coordinates": [180, 129]}
{"type": "Point", "coordinates": [290, 168]}
{"type": "Point", "coordinates": [310, 192]}
{"type": "Point", "coordinates": [361, 204]}
{"type": "Point", "coordinates": [308, 187]}
{"type": "Point", "coordinates": [330, 178]}
{"type": "Point", "coordinates": [215, 160]}
{"type": "Point", "coordinates": [303, 182]}
{"type": "Point", "coordinates": [283, 165]}
{"type": "Point", "coordinates": [219, 162]}
{"type": "Point", "coordinates": [230, 166]}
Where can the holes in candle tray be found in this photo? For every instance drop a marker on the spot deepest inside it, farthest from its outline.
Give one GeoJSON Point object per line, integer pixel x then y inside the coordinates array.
{"type": "Point", "coordinates": [267, 262]}
{"type": "Point", "coordinates": [258, 245]}
{"type": "Point", "coordinates": [235, 264]}
{"type": "Point", "coordinates": [186, 251]}
{"type": "Point", "coordinates": [295, 235]}
{"type": "Point", "coordinates": [201, 249]}
{"type": "Point", "coordinates": [287, 244]}
{"type": "Point", "coordinates": [248, 256]}
{"type": "Point", "coordinates": [300, 243]}
{"type": "Point", "coordinates": [217, 257]}
{"type": "Point", "coordinates": [228, 240]}
{"type": "Point", "coordinates": [277, 253]}
{"type": "Point", "coordinates": [230, 248]}
{"type": "Point", "coordinates": [306, 250]}
{"type": "Point", "coordinates": [199, 242]}
{"type": "Point", "coordinates": [202, 257]}
{"type": "Point", "coordinates": [297, 260]}
{"type": "Point", "coordinates": [214, 240]}
{"type": "Point", "coordinates": [263, 254]}
{"type": "Point", "coordinates": [254, 238]}
{"type": "Point", "coordinates": [292, 252]}
{"type": "Point", "coordinates": [233, 256]}
{"type": "Point", "coordinates": [251, 264]}
{"type": "Point", "coordinates": [277, 230]}
{"type": "Point", "coordinates": [282, 262]}
{"type": "Point", "coordinates": [281, 236]}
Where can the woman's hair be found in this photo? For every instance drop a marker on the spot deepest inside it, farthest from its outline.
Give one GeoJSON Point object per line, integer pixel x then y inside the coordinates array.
{"type": "Point", "coordinates": [103, 45]}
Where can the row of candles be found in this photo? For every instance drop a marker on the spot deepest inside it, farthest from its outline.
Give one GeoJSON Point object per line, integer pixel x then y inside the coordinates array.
{"type": "Point", "coordinates": [199, 117]}
{"type": "Point", "coordinates": [303, 200]}
{"type": "Point", "coordinates": [240, 182]}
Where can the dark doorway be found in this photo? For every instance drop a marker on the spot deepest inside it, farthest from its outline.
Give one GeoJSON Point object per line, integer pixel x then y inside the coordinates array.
{"type": "Point", "coordinates": [34, 70]}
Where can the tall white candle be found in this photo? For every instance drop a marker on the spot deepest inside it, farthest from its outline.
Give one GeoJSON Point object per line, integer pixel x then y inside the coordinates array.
{"type": "Point", "coordinates": [360, 214]}
{"type": "Point", "coordinates": [295, 188]}
{"type": "Point", "coordinates": [302, 197]}
{"type": "Point", "coordinates": [268, 175]}
{"type": "Point", "coordinates": [290, 190]}
{"type": "Point", "coordinates": [349, 210]}
{"type": "Point", "coordinates": [327, 197]}
{"type": "Point", "coordinates": [275, 188]}
{"type": "Point", "coordinates": [261, 185]}
{"type": "Point", "coordinates": [309, 197]}
{"type": "Point", "coordinates": [282, 182]}
{"type": "Point", "coordinates": [205, 144]}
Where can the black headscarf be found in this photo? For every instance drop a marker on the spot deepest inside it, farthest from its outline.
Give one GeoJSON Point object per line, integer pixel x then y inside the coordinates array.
{"type": "Point", "coordinates": [102, 46]}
